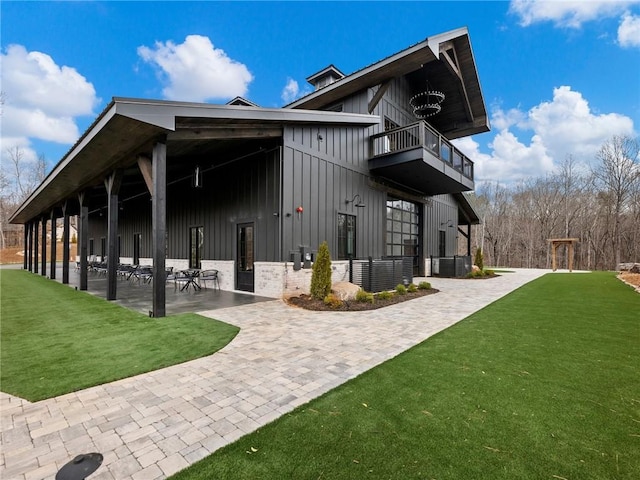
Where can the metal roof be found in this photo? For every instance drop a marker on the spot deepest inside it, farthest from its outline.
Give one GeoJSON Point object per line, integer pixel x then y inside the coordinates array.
{"type": "Point", "coordinates": [129, 127]}
{"type": "Point", "coordinates": [460, 116]}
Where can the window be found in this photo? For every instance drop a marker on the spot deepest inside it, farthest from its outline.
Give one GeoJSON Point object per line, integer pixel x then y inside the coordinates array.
{"type": "Point", "coordinates": [403, 231]}
{"type": "Point", "coordinates": [442, 243]}
{"type": "Point", "coordinates": [103, 247]}
{"type": "Point", "coordinates": [346, 236]}
{"type": "Point", "coordinates": [196, 242]}
{"type": "Point", "coordinates": [91, 247]}
{"type": "Point", "coordinates": [137, 241]}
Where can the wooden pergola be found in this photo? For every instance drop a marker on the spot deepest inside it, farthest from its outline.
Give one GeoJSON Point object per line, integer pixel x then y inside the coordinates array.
{"type": "Point", "coordinates": [555, 243]}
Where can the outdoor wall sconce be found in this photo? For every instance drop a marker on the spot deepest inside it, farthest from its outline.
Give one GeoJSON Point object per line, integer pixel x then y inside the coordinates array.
{"type": "Point", "coordinates": [448, 223]}
{"type": "Point", "coordinates": [197, 178]}
{"type": "Point", "coordinates": [299, 211]}
{"type": "Point", "coordinates": [358, 204]}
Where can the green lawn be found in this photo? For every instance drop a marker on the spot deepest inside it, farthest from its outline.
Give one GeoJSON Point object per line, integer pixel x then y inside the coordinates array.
{"type": "Point", "coordinates": [543, 384]}
{"type": "Point", "coordinates": [56, 340]}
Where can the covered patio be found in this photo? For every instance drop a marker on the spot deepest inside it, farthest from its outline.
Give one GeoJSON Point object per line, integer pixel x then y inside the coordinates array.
{"type": "Point", "coordinates": [138, 296]}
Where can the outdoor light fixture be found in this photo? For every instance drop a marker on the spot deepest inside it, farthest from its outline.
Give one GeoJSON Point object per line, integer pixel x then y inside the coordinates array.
{"type": "Point", "coordinates": [427, 103]}
{"type": "Point", "coordinates": [197, 177]}
{"type": "Point", "coordinates": [358, 204]}
{"type": "Point", "coordinates": [448, 223]}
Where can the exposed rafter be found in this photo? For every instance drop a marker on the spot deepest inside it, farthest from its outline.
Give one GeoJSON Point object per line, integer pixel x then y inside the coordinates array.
{"type": "Point", "coordinates": [382, 88]}
{"type": "Point", "coordinates": [452, 65]}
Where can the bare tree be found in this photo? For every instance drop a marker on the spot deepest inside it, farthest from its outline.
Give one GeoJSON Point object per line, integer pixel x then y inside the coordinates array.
{"type": "Point", "coordinates": [618, 174]}
{"type": "Point", "coordinates": [18, 178]}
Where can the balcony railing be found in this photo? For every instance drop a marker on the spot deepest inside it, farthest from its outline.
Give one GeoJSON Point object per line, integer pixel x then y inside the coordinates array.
{"type": "Point", "coordinates": [421, 135]}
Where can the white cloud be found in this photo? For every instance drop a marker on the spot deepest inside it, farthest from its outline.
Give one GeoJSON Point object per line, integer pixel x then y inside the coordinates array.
{"type": "Point", "coordinates": [197, 71]}
{"type": "Point", "coordinates": [567, 13]}
{"type": "Point", "coordinates": [557, 128]}
{"type": "Point", "coordinates": [41, 98]}
{"type": "Point", "coordinates": [290, 91]}
{"type": "Point", "coordinates": [629, 31]}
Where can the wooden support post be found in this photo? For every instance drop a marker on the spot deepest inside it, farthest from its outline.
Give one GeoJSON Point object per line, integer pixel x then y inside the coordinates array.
{"type": "Point", "coordinates": [112, 184]}
{"type": "Point", "coordinates": [554, 247]}
{"type": "Point", "coordinates": [30, 259]}
{"type": "Point", "coordinates": [43, 258]}
{"type": "Point", "coordinates": [65, 244]}
{"type": "Point", "coordinates": [25, 259]}
{"type": "Point", "coordinates": [83, 240]}
{"type": "Point", "coordinates": [159, 224]}
{"type": "Point", "coordinates": [54, 234]}
{"type": "Point", "coordinates": [36, 240]}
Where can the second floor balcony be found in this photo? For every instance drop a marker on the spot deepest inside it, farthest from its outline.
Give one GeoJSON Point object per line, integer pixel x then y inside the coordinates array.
{"type": "Point", "coordinates": [419, 157]}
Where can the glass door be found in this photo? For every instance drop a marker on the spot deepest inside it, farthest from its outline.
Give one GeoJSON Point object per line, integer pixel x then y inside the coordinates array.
{"type": "Point", "coordinates": [244, 263]}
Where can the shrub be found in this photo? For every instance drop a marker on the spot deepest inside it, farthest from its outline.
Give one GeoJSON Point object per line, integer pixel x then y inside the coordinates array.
{"type": "Point", "coordinates": [489, 273]}
{"type": "Point", "coordinates": [386, 295]}
{"type": "Point", "coordinates": [412, 288]}
{"type": "Point", "coordinates": [478, 259]}
{"type": "Point", "coordinates": [364, 297]}
{"type": "Point", "coordinates": [424, 286]}
{"type": "Point", "coordinates": [321, 276]}
{"type": "Point", "coordinates": [332, 301]}
{"type": "Point", "coordinates": [476, 274]}
{"type": "Point", "coordinates": [74, 239]}
{"type": "Point", "coordinates": [401, 289]}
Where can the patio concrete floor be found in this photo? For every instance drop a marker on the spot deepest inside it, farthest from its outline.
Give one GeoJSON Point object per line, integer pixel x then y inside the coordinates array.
{"type": "Point", "coordinates": [152, 425]}
{"type": "Point", "coordinates": [139, 296]}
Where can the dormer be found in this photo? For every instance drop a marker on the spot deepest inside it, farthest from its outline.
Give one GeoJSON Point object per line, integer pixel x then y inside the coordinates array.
{"type": "Point", "coordinates": [325, 77]}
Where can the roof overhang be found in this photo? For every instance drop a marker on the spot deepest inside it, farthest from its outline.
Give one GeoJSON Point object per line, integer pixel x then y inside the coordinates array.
{"type": "Point", "coordinates": [447, 59]}
{"type": "Point", "coordinates": [466, 209]}
{"type": "Point", "coordinates": [128, 128]}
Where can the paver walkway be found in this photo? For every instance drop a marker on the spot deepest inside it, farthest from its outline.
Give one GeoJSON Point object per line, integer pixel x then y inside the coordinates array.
{"type": "Point", "coordinates": [152, 425]}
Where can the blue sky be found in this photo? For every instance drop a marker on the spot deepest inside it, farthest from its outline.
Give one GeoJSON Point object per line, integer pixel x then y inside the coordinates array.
{"type": "Point", "coordinates": [558, 77]}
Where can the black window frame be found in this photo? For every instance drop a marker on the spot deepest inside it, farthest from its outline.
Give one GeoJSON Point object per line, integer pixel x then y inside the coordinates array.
{"type": "Point", "coordinates": [346, 223]}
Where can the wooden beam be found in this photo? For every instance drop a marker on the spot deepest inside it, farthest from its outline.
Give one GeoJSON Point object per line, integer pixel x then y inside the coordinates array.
{"type": "Point", "coordinates": [52, 260]}
{"type": "Point", "coordinates": [112, 183]}
{"type": "Point", "coordinates": [382, 89]}
{"type": "Point", "coordinates": [43, 258]}
{"type": "Point", "coordinates": [224, 133]}
{"type": "Point", "coordinates": [452, 66]}
{"type": "Point", "coordinates": [36, 231]}
{"type": "Point", "coordinates": [30, 259]}
{"type": "Point", "coordinates": [26, 243]}
{"type": "Point", "coordinates": [144, 164]}
{"type": "Point", "coordinates": [66, 230]}
{"type": "Point", "coordinates": [159, 228]}
{"type": "Point", "coordinates": [83, 239]}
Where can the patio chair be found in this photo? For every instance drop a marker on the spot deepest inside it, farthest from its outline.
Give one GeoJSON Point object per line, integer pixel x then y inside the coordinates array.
{"type": "Point", "coordinates": [211, 276]}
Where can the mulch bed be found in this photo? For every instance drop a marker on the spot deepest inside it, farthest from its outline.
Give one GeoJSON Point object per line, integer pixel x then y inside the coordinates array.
{"type": "Point", "coordinates": [305, 301]}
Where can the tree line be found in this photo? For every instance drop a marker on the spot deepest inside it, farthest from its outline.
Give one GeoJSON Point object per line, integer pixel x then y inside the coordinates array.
{"type": "Point", "coordinates": [599, 206]}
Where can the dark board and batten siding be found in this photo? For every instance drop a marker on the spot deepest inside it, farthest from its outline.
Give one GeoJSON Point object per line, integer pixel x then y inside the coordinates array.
{"type": "Point", "coordinates": [244, 191]}
{"type": "Point", "coordinates": [440, 210]}
{"type": "Point", "coordinates": [319, 175]}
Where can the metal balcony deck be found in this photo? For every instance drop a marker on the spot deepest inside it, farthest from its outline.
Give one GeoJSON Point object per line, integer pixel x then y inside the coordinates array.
{"type": "Point", "coordinates": [419, 157]}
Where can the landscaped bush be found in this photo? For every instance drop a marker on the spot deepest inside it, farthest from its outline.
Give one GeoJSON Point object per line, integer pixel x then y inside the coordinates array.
{"type": "Point", "coordinates": [364, 297]}
{"type": "Point", "coordinates": [424, 286]}
{"type": "Point", "coordinates": [401, 289]}
{"type": "Point", "coordinates": [489, 273]}
{"type": "Point", "coordinates": [333, 301]}
{"type": "Point", "coordinates": [321, 275]}
{"type": "Point", "coordinates": [386, 295]}
{"type": "Point", "coordinates": [412, 288]}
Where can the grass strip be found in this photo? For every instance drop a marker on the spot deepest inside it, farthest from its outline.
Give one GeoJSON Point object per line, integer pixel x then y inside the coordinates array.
{"type": "Point", "coordinates": [542, 384]}
{"type": "Point", "coordinates": [56, 340]}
